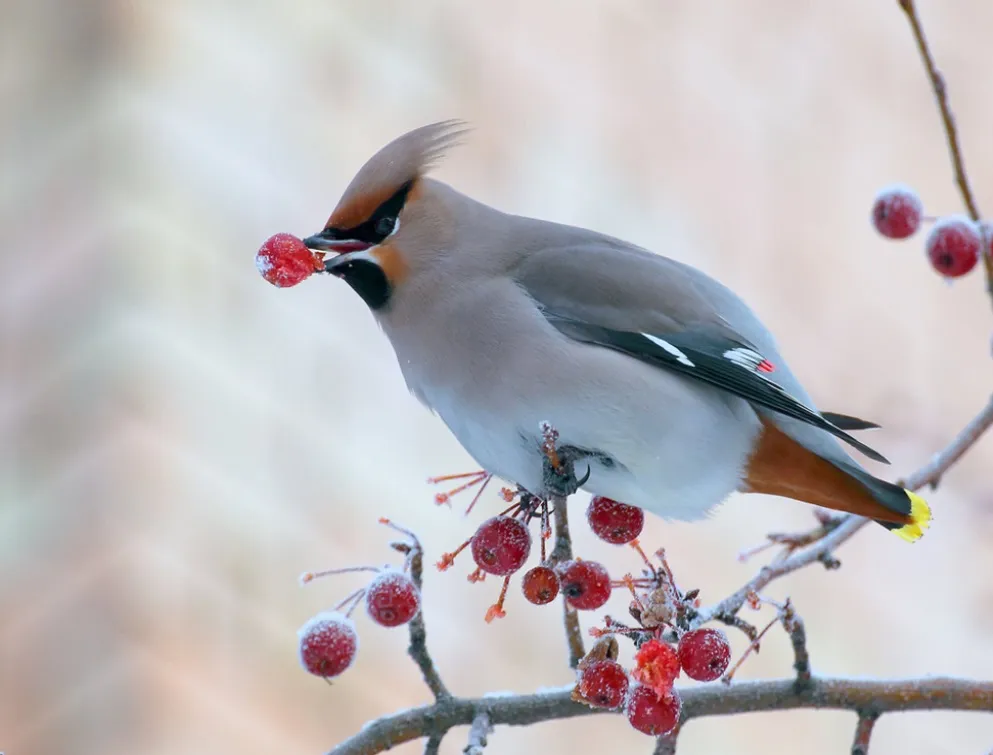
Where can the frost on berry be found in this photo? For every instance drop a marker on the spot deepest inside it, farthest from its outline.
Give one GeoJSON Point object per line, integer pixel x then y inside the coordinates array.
{"type": "Point", "coordinates": [501, 545]}
{"type": "Point", "coordinates": [704, 654]}
{"type": "Point", "coordinates": [656, 666]}
{"type": "Point", "coordinates": [392, 599]}
{"type": "Point", "coordinates": [953, 245]}
{"type": "Point", "coordinates": [585, 584]}
{"type": "Point", "coordinates": [896, 212]}
{"type": "Point", "coordinates": [328, 644]}
{"type": "Point", "coordinates": [285, 261]}
{"type": "Point", "coordinates": [651, 714]}
{"type": "Point", "coordinates": [614, 522]}
{"type": "Point", "coordinates": [540, 585]}
{"type": "Point", "coordinates": [603, 684]}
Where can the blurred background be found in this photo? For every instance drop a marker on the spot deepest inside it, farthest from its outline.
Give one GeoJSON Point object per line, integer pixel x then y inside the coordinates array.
{"type": "Point", "coordinates": [180, 440]}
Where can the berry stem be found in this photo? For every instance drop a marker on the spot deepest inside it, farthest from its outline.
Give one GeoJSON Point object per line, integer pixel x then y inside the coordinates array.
{"type": "Point", "coordinates": [479, 493]}
{"type": "Point", "coordinates": [753, 648]}
{"type": "Point", "coordinates": [310, 576]}
{"type": "Point", "coordinates": [496, 610]}
{"type": "Point", "coordinates": [353, 598]}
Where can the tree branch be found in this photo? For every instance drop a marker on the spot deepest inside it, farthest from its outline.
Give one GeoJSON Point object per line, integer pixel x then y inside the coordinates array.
{"type": "Point", "coordinates": [863, 732]}
{"type": "Point", "coordinates": [563, 552]}
{"type": "Point", "coordinates": [798, 638]}
{"type": "Point", "coordinates": [433, 745]}
{"type": "Point", "coordinates": [875, 697]}
{"type": "Point", "coordinates": [948, 120]}
{"type": "Point", "coordinates": [929, 474]}
{"type": "Point", "coordinates": [478, 733]}
{"type": "Point", "coordinates": [418, 648]}
{"type": "Point", "coordinates": [666, 744]}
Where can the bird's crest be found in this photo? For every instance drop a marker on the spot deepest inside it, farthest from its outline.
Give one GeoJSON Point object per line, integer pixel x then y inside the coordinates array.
{"type": "Point", "coordinates": [400, 162]}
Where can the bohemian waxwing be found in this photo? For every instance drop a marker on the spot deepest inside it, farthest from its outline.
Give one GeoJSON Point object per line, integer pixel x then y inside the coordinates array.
{"type": "Point", "coordinates": [666, 390]}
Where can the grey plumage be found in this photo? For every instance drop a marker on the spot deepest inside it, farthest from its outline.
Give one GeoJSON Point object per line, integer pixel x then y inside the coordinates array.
{"type": "Point", "coordinates": [493, 318]}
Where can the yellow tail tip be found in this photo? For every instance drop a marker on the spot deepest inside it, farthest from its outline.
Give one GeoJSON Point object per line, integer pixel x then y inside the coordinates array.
{"type": "Point", "coordinates": [920, 519]}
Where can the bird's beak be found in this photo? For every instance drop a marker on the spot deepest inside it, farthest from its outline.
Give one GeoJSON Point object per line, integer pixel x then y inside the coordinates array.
{"type": "Point", "coordinates": [325, 242]}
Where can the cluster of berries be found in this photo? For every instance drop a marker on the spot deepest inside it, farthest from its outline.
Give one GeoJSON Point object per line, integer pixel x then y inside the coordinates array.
{"type": "Point", "coordinates": [329, 642]}
{"type": "Point", "coordinates": [502, 544]}
{"type": "Point", "coordinates": [955, 242]}
{"type": "Point", "coordinates": [646, 694]}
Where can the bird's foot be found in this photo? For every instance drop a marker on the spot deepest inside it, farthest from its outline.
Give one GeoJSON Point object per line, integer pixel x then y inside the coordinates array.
{"type": "Point", "coordinates": [561, 480]}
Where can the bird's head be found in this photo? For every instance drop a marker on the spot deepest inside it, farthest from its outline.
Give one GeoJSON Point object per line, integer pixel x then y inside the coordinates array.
{"type": "Point", "coordinates": [387, 215]}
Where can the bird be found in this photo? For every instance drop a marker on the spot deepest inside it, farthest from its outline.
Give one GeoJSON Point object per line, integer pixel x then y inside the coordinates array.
{"type": "Point", "coordinates": [665, 389]}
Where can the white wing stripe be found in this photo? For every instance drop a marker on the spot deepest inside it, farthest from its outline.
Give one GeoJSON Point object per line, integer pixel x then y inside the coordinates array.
{"type": "Point", "coordinates": [680, 356]}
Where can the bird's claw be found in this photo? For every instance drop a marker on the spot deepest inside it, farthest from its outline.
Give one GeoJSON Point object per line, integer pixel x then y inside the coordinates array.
{"type": "Point", "coordinates": [563, 481]}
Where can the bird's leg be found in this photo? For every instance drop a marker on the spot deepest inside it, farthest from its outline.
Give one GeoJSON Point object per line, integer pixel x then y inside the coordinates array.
{"type": "Point", "coordinates": [562, 480]}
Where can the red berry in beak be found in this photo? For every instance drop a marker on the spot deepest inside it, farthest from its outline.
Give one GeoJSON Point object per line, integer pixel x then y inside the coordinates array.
{"type": "Point", "coordinates": [284, 261]}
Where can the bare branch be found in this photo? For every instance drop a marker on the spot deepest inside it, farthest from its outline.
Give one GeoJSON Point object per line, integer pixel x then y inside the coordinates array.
{"type": "Point", "coordinates": [932, 693]}
{"type": "Point", "coordinates": [798, 637]}
{"type": "Point", "coordinates": [418, 648]}
{"type": "Point", "coordinates": [863, 732]}
{"type": "Point", "coordinates": [433, 744]}
{"type": "Point", "coordinates": [666, 744]}
{"type": "Point", "coordinates": [481, 729]}
{"type": "Point", "coordinates": [929, 474]}
{"type": "Point", "coordinates": [948, 120]}
{"type": "Point", "coordinates": [941, 95]}
{"type": "Point", "coordinates": [563, 552]}
{"type": "Point", "coordinates": [932, 472]}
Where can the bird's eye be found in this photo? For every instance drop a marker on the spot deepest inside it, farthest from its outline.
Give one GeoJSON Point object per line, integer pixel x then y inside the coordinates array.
{"type": "Point", "coordinates": [385, 225]}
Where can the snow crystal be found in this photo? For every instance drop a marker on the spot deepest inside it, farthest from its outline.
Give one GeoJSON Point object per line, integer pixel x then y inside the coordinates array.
{"type": "Point", "coordinates": [263, 263]}
{"type": "Point", "coordinates": [951, 220]}
{"type": "Point", "coordinates": [901, 189]}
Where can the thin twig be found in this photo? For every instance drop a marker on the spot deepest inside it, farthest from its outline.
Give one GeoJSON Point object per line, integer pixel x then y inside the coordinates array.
{"type": "Point", "coordinates": [948, 120]}
{"type": "Point", "coordinates": [418, 648]}
{"type": "Point", "coordinates": [706, 700]}
{"type": "Point", "coordinates": [863, 732]}
{"type": "Point", "coordinates": [666, 744]}
{"type": "Point", "coordinates": [433, 744]}
{"type": "Point", "coordinates": [793, 625]}
{"type": "Point", "coordinates": [478, 734]}
{"type": "Point", "coordinates": [563, 552]}
{"type": "Point", "coordinates": [929, 474]}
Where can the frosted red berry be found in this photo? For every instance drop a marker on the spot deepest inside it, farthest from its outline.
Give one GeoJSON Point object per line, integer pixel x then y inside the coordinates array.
{"type": "Point", "coordinates": [896, 213]}
{"type": "Point", "coordinates": [540, 585]}
{"type": "Point", "coordinates": [501, 545]}
{"type": "Point", "coordinates": [651, 714]}
{"type": "Point", "coordinates": [704, 654]}
{"type": "Point", "coordinates": [328, 644]}
{"type": "Point", "coordinates": [614, 522]}
{"type": "Point", "coordinates": [392, 599]}
{"type": "Point", "coordinates": [953, 246]}
{"type": "Point", "coordinates": [585, 584]}
{"type": "Point", "coordinates": [656, 666]}
{"type": "Point", "coordinates": [604, 684]}
{"type": "Point", "coordinates": [285, 261]}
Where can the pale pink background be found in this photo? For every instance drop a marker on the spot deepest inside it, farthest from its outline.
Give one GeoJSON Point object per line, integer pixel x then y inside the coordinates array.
{"type": "Point", "coordinates": [180, 440]}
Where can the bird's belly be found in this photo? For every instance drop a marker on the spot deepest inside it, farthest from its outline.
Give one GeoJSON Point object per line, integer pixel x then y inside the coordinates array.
{"type": "Point", "coordinates": [676, 469]}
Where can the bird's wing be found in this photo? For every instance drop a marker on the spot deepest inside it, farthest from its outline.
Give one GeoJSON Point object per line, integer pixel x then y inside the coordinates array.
{"type": "Point", "coordinates": [673, 317]}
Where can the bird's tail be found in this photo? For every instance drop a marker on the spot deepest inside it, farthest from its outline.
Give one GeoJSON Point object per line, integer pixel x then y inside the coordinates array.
{"type": "Point", "coordinates": [782, 466]}
{"type": "Point", "coordinates": [913, 514]}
